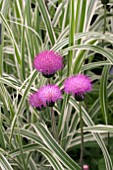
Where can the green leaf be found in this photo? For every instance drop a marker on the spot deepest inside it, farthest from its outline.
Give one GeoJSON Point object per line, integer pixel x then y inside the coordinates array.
{"type": "Point", "coordinates": [54, 147]}
{"type": "Point", "coordinates": [87, 119]}
{"type": "Point", "coordinates": [71, 36]}
{"type": "Point", "coordinates": [99, 128]}
{"type": "Point", "coordinates": [46, 152]}
{"type": "Point", "coordinates": [47, 22]}
{"type": "Point", "coordinates": [4, 164]}
{"type": "Point", "coordinates": [32, 77]}
{"type": "Point", "coordinates": [103, 93]}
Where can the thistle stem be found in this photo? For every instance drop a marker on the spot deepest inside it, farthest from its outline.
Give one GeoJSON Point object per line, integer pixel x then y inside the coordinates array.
{"type": "Point", "coordinates": [104, 30]}
{"type": "Point", "coordinates": [54, 128]}
{"type": "Point", "coordinates": [82, 137]}
{"type": "Point", "coordinates": [49, 80]}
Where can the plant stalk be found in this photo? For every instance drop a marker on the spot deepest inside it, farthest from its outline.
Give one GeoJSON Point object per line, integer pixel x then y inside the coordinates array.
{"type": "Point", "coordinates": [54, 128]}
{"type": "Point", "coordinates": [104, 30]}
{"type": "Point", "coordinates": [82, 137]}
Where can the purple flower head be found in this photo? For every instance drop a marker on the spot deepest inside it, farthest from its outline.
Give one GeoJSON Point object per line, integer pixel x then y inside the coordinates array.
{"type": "Point", "coordinates": [77, 85]}
{"type": "Point", "coordinates": [85, 167]}
{"type": "Point", "coordinates": [48, 62]}
{"type": "Point", "coordinates": [35, 100]}
{"type": "Point", "coordinates": [50, 94]}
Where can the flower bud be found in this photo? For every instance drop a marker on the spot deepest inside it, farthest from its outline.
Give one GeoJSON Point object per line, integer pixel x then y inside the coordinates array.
{"type": "Point", "coordinates": [79, 98]}
{"type": "Point", "coordinates": [48, 75]}
{"type": "Point", "coordinates": [50, 104]}
{"type": "Point", "coordinates": [85, 167]}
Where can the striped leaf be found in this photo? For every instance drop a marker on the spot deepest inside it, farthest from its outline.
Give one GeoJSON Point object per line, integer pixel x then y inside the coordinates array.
{"type": "Point", "coordinates": [4, 164]}
{"type": "Point", "coordinates": [54, 147]}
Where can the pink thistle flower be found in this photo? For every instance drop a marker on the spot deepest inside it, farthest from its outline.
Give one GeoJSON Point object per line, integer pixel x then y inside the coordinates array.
{"type": "Point", "coordinates": [85, 167]}
{"type": "Point", "coordinates": [35, 101]}
{"type": "Point", "coordinates": [50, 94]}
{"type": "Point", "coordinates": [48, 62]}
{"type": "Point", "coordinates": [77, 85]}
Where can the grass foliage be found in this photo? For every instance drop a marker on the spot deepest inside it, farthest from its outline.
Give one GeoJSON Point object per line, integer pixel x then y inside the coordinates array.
{"type": "Point", "coordinates": [74, 28]}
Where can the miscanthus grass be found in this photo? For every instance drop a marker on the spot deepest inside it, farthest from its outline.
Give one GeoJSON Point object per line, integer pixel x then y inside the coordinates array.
{"type": "Point", "coordinates": [56, 85]}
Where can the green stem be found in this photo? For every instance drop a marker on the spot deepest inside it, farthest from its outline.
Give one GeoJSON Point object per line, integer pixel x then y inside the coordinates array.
{"type": "Point", "coordinates": [54, 128]}
{"type": "Point", "coordinates": [82, 137]}
{"type": "Point", "coordinates": [104, 30]}
{"type": "Point", "coordinates": [104, 19]}
{"type": "Point", "coordinates": [49, 81]}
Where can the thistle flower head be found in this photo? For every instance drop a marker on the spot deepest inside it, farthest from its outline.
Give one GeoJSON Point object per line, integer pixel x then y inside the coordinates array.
{"type": "Point", "coordinates": [50, 94]}
{"type": "Point", "coordinates": [35, 100]}
{"type": "Point", "coordinates": [48, 62]}
{"type": "Point", "coordinates": [77, 85]}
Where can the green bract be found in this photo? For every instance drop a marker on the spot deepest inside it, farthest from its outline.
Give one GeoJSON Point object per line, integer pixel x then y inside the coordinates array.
{"type": "Point", "coordinates": [105, 2]}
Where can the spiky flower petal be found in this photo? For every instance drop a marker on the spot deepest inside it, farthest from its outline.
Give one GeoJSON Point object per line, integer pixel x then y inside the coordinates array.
{"type": "Point", "coordinates": [50, 94]}
{"type": "Point", "coordinates": [35, 100]}
{"type": "Point", "coordinates": [77, 84]}
{"type": "Point", "coordinates": [48, 62]}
